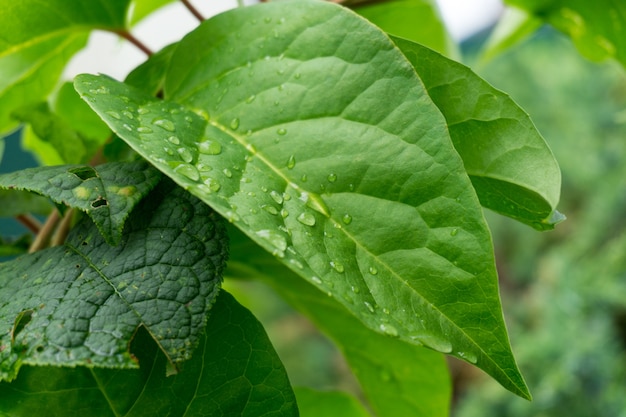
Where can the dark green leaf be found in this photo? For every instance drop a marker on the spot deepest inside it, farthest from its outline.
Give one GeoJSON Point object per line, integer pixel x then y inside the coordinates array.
{"type": "Point", "coordinates": [510, 165]}
{"type": "Point", "coordinates": [597, 28]}
{"type": "Point", "coordinates": [14, 203]}
{"type": "Point", "coordinates": [415, 20]}
{"type": "Point", "coordinates": [88, 298]}
{"type": "Point", "coordinates": [328, 403]}
{"type": "Point", "coordinates": [107, 193]}
{"type": "Point", "coordinates": [38, 39]}
{"type": "Point", "coordinates": [398, 379]}
{"type": "Point", "coordinates": [313, 135]}
{"type": "Point", "coordinates": [234, 372]}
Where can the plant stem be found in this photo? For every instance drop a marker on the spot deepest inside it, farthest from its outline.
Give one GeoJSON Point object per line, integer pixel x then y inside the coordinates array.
{"type": "Point", "coordinates": [30, 222]}
{"type": "Point", "coordinates": [46, 231]}
{"type": "Point", "coordinates": [193, 10]}
{"type": "Point", "coordinates": [63, 229]}
{"type": "Point", "coordinates": [130, 38]}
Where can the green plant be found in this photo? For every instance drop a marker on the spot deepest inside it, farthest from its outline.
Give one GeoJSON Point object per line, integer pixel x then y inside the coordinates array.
{"type": "Point", "coordinates": [350, 166]}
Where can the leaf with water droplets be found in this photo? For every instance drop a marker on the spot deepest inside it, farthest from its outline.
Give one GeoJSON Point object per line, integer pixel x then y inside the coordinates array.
{"type": "Point", "coordinates": [352, 109]}
{"type": "Point", "coordinates": [510, 165]}
{"type": "Point", "coordinates": [107, 193]}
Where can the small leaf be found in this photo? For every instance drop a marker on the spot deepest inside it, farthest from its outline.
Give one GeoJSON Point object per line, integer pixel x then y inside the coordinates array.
{"type": "Point", "coordinates": [150, 75]}
{"type": "Point", "coordinates": [398, 379]}
{"type": "Point", "coordinates": [89, 298]}
{"type": "Point", "coordinates": [107, 193]}
{"type": "Point", "coordinates": [306, 127]}
{"type": "Point", "coordinates": [597, 28]}
{"type": "Point", "coordinates": [234, 372]}
{"type": "Point", "coordinates": [514, 26]}
{"type": "Point", "coordinates": [510, 165]}
{"type": "Point", "coordinates": [328, 403]}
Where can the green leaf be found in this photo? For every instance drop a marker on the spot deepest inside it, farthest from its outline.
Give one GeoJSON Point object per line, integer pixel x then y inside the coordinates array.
{"type": "Point", "coordinates": [514, 26]}
{"type": "Point", "coordinates": [597, 28]}
{"type": "Point", "coordinates": [86, 299]}
{"type": "Point", "coordinates": [107, 193]}
{"type": "Point", "coordinates": [150, 76]}
{"type": "Point", "coordinates": [328, 403]}
{"type": "Point", "coordinates": [510, 165]}
{"type": "Point", "coordinates": [398, 379]}
{"type": "Point", "coordinates": [143, 8]}
{"type": "Point", "coordinates": [18, 246]}
{"type": "Point", "coordinates": [415, 20]}
{"type": "Point", "coordinates": [234, 371]}
{"type": "Point", "coordinates": [14, 203]}
{"type": "Point", "coordinates": [314, 136]}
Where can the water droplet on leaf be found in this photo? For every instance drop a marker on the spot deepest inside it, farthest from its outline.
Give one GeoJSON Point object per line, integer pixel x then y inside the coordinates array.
{"type": "Point", "coordinates": [234, 124]}
{"type": "Point", "coordinates": [270, 209]}
{"type": "Point", "coordinates": [307, 219]}
{"type": "Point", "coordinates": [337, 266]}
{"type": "Point", "coordinates": [210, 147]}
{"type": "Point", "coordinates": [291, 162]}
{"type": "Point", "coordinates": [276, 196]}
{"type": "Point", "coordinates": [144, 129]}
{"type": "Point", "coordinates": [389, 330]}
{"type": "Point", "coordinates": [114, 114]}
{"type": "Point", "coordinates": [282, 131]}
{"type": "Point", "coordinates": [347, 219]}
{"type": "Point", "coordinates": [165, 124]}
{"type": "Point", "coordinates": [332, 177]}
{"type": "Point", "coordinates": [187, 170]}
{"type": "Point", "coordinates": [185, 154]}
{"type": "Point", "coordinates": [373, 270]}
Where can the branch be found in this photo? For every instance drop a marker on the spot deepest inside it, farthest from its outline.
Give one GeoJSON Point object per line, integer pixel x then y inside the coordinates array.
{"type": "Point", "coordinates": [63, 229]}
{"type": "Point", "coordinates": [193, 10]}
{"type": "Point", "coordinates": [130, 38]}
{"type": "Point", "coordinates": [46, 231]}
{"type": "Point", "coordinates": [30, 222]}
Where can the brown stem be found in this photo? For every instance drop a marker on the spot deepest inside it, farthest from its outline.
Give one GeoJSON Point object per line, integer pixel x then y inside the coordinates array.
{"type": "Point", "coordinates": [30, 222]}
{"type": "Point", "coordinates": [193, 10]}
{"type": "Point", "coordinates": [44, 234]}
{"type": "Point", "coordinates": [130, 38]}
{"type": "Point", "coordinates": [63, 229]}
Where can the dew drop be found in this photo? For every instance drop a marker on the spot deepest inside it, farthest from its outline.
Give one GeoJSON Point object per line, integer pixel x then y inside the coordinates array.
{"type": "Point", "coordinates": [386, 310]}
{"type": "Point", "coordinates": [114, 114]}
{"type": "Point", "coordinates": [276, 196]}
{"type": "Point", "coordinates": [351, 187]}
{"type": "Point", "coordinates": [144, 129]}
{"type": "Point", "coordinates": [470, 357]}
{"type": "Point", "coordinates": [337, 266]}
{"type": "Point", "coordinates": [128, 114]}
{"type": "Point", "coordinates": [454, 232]}
{"type": "Point", "coordinates": [173, 140]}
{"type": "Point", "coordinates": [204, 167]}
{"type": "Point", "coordinates": [332, 177]}
{"type": "Point", "coordinates": [185, 154]}
{"type": "Point", "coordinates": [389, 330]}
{"type": "Point", "coordinates": [227, 172]}
{"type": "Point", "coordinates": [234, 124]}
{"type": "Point", "coordinates": [274, 238]}
{"type": "Point", "coordinates": [165, 124]}
{"type": "Point", "coordinates": [373, 270]}
{"type": "Point", "coordinates": [355, 290]}
{"type": "Point", "coordinates": [282, 131]}
{"type": "Point", "coordinates": [346, 219]}
{"type": "Point", "coordinates": [250, 99]}
{"type": "Point", "coordinates": [316, 280]}
{"type": "Point", "coordinates": [188, 171]}
{"type": "Point", "coordinates": [291, 162]}
{"type": "Point", "coordinates": [369, 306]}
{"type": "Point", "coordinates": [212, 184]}
{"type": "Point", "coordinates": [284, 213]}
{"type": "Point", "coordinates": [127, 127]}
{"type": "Point", "coordinates": [296, 263]}
{"type": "Point", "coordinates": [143, 110]}
{"type": "Point", "coordinates": [210, 147]}
{"type": "Point", "coordinates": [287, 196]}
{"type": "Point", "coordinates": [270, 209]}
{"type": "Point", "coordinates": [307, 219]}
{"type": "Point", "coordinates": [297, 75]}
{"type": "Point", "coordinates": [304, 178]}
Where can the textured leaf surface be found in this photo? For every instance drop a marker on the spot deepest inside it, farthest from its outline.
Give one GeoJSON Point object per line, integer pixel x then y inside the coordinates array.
{"type": "Point", "coordinates": [234, 372]}
{"type": "Point", "coordinates": [510, 165]}
{"type": "Point", "coordinates": [328, 403]}
{"type": "Point", "coordinates": [398, 379]}
{"type": "Point", "coordinates": [107, 193]}
{"type": "Point", "coordinates": [312, 134]}
{"type": "Point", "coordinates": [81, 303]}
{"type": "Point", "coordinates": [37, 39]}
{"type": "Point", "coordinates": [597, 28]}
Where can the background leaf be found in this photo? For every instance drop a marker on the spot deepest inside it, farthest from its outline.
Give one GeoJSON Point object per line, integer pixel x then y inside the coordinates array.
{"type": "Point", "coordinates": [510, 165]}
{"type": "Point", "coordinates": [313, 135]}
{"type": "Point", "coordinates": [598, 29]}
{"type": "Point", "coordinates": [14, 203]}
{"type": "Point", "coordinates": [38, 39]}
{"type": "Point", "coordinates": [85, 300]}
{"type": "Point", "coordinates": [234, 371]}
{"type": "Point", "coordinates": [107, 193]}
{"type": "Point", "coordinates": [150, 76]}
{"type": "Point", "coordinates": [397, 378]}
{"type": "Point", "coordinates": [327, 403]}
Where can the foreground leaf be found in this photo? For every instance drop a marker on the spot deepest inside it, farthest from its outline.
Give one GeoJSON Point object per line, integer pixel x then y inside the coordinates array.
{"type": "Point", "coordinates": [510, 165]}
{"type": "Point", "coordinates": [38, 39]}
{"type": "Point", "coordinates": [398, 379]}
{"type": "Point", "coordinates": [312, 134]}
{"type": "Point", "coordinates": [107, 193]}
{"type": "Point", "coordinates": [234, 372]}
{"type": "Point", "coordinates": [81, 303]}
{"type": "Point", "coordinates": [597, 28]}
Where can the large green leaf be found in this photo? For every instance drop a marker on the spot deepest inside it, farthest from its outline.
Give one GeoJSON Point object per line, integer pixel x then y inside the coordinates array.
{"type": "Point", "coordinates": [597, 28]}
{"type": "Point", "coordinates": [416, 20]}
{"type": "Point", "coordinates": [234, 372]}
{"type": "Point", "coordinates": [398, 379]}
{"type": "Point", "coordinates": [509, 163]}
{"type": "Point", "coordinates": [81, 303]}
{"type": "Point", "coordinates": [37, 39]}
{"type": "Point", "coordinates": [107, 193]}
{"type": "Point", "coordinates": [313, 135]}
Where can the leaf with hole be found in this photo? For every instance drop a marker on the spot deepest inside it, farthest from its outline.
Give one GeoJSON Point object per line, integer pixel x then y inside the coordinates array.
{"type": "Point", "coordinates": [82, 302]}
{"type": "Point", "coordinates": [307, 128]}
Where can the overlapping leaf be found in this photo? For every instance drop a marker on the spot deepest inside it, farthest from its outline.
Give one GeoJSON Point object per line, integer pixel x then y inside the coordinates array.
{"type": "Point", "coordinates": [107, 193]}
{"type": "Point", "coordinates": [312, 134]}
{"type": "Point", "coordinates": [397, 378]}
{"type": "Point", "coordinates": [235, 371]}
{"type": "Point", "coordinates": [597, 28]}
{"type": "Point", "coordinates": [326, 403]}
{"type": "Point", "coordinates": [37, 39]}
{"type": "Point", "coordinates": [510, 165]}
{"type": "Point", "coordinates": [81, 303]}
